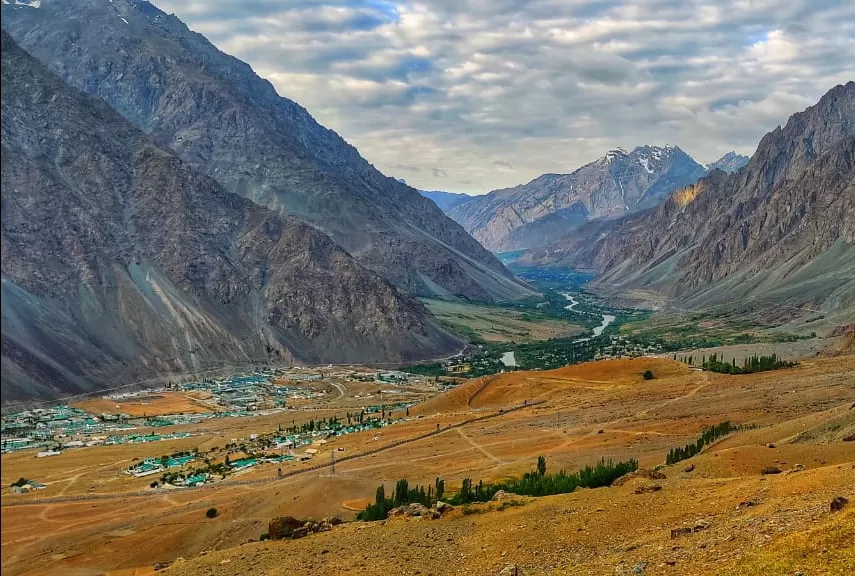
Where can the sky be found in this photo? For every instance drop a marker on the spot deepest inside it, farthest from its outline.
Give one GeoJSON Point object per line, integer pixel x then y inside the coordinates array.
{"type": "Point", "coordinates": [475, 95]}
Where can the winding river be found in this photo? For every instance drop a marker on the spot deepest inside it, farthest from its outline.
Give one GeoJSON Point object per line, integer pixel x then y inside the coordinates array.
{"type": "Point", "coordinates": [607, 318]}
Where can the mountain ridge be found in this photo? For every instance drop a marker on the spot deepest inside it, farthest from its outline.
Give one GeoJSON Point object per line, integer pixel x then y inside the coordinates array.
{"type": "Point", "coordinates": [531, 214]}
{"type": "Point", "coordinates": [120, 262]}
{"type": "Point", "coordinates": [224, 120]}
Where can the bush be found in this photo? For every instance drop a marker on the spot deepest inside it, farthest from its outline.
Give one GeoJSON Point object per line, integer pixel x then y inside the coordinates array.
{"type": "Point", "coordinates": [211, 513]}
{"type": "Point", "coordinates": [264, 536]}
{"type": "Point", "coordinates": [648, 375]}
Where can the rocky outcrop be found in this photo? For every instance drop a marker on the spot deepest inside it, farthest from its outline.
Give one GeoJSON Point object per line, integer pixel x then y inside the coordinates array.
{"type": "Point", "coordinates": [226, 122]}
{"type": "Point", "coordinates": [549, 206]}
{"type": "Point", "coordinates": [120, 262]}
{"type": "Point", "coordinates": [782, 227]}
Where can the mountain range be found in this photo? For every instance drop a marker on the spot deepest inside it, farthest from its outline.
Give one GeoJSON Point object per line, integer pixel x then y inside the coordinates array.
{"type": "Point", "coordinates": [121, 261]}
{"type": "Point", "coordinates": [535, 213]}
{"type": "Point", "coordinates": [222, 119]}
{"type": "Point", "coordinates": [781, 229]}
{"type": "Point", "coordinates": [730, 162]}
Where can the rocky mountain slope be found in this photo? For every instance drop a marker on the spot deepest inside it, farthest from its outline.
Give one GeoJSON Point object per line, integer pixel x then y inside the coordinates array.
{"type": "Point", "coordinates": [730, 162]}
{"type": "Point", "coordinates": [547, 207]}
{"type": "Point", "coordinates": [224, 120]}
{"type": "Point", "coordinates": [445, 200]}
{"type": "Point", "coordinates": [782, 227]}
{"type": "Point", "coordinates": [121, 262]}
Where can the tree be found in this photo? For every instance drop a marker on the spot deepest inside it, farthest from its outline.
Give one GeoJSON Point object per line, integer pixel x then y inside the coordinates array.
{"type": "Point", "coordinates": [648, 375]}
{"type": "Point", "coordinates": [541, 465]}
{"type": "Point", "coordinates": [211, 513]}
{"type": "Point", "coordinates": [440, 488]}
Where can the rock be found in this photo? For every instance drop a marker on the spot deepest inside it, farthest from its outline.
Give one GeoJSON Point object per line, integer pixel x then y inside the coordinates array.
{"type": "Point", "coordinates": [682, 531]}
{"type": "Point", "coordinates": [770, 470]}
{"type": "Point", "coordinates": [444, 507]}
{"type": "Point", "coordinates": [770, 445]}
{"type": "Point", "coordinates": [639, 568]}
{"type": "Point", "coordinates": [161, 565]}
{"type": "Point", "coordinates": [414, 510]}
{"type": "Point", "coordinates": [747, 504]}
{"type": "Point", "coordinates": [648, 488]}
{"type": "Point", "coordinates": [333, 520]}
{"type": "Point", "coordinates": [797, 468]}
{"type": "Point", "coordinates": [700, 525]}
{"type": "Point", "coordinates": [689, 468]}
{"type": "Point", "coordinates": [509, 570]}
{"type": "Point", "coordinates": [640, 473]}
{"type": "Point", "coordinates": [501, 495]}
{"type": "Point", "coordinates": [838, 504]}
{"type": "Point", "coordinates": [283, 527]}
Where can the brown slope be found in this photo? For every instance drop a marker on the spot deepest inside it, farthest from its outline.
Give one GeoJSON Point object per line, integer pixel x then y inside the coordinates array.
{"type": "Point", "coordinates": [790, 205]}
{"type": "Point", "coordinates": [224, 120]}
{"type": "Point", "coordinates": [120, 262]}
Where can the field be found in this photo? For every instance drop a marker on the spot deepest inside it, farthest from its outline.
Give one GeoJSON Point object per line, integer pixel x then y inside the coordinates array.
{"type": "Point", "coordinates": [159, 404]}
{"type": "Point", "coordinates": [588, 411]}
{"type": "Point", "coordinates": [494, 324]}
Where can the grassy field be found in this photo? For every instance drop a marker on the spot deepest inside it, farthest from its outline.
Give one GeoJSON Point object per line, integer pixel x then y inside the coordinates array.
{"type": "Point", "coordinates": [494, 324]}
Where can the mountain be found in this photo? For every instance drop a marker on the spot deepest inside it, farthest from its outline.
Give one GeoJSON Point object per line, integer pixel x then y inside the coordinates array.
{"type": "Point", "coordinates": [730, 162]}
{"type": "Point", "coordinates": [445, 200]}
{"type": "Point", "coordinates": [227, 122]}
{"type": "Point", "coordinates": [547, 207]}
{"type": "Point", "coordinates": [781, 229]}
{"type": "Point", "coordinates": [121, 262]}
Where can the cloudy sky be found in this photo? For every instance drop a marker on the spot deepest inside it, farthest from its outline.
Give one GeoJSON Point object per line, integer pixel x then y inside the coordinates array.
{"type": "Point", "coordinates": [473, 95]}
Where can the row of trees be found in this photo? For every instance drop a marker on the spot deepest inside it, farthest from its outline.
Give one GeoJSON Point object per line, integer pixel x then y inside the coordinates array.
{"type": "Point", "coordinates": [708, 436]}
{"type": "Point", "coordinates": [535, 483]}
{"type": "Point", "coordinates": [750, 364]}
{"type": "Point", "coordinates": [540, 483]}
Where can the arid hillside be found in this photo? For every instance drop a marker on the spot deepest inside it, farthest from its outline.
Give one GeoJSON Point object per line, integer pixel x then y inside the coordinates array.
{"type": "Point", "coordinates": [798, 420]}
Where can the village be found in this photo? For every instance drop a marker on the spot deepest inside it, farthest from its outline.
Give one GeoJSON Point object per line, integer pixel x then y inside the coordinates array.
{"type": "Point", "coordinates": [367, 400]}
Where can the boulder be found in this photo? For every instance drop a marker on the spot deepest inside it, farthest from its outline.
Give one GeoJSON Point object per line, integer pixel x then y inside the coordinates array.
{"type": "Point", "coordinates": [283, 527]}
{"type": "Point", "coordinates": [648, 488]}
{"type": "Point", "coordinates": [333, 520]}
{"type": "Point", "coordinates": [770, 470]}
{"type": "Point", "coordinates": [640, 473]}
{"type": "Point", "coordinates": [509, 570]}
{"type": "Point", "coordinates": [838, 503]}
{"type": "Point", "coordinates": [501, 495]}
{"type": "Point", "coordinates": [444, 507]}
{"type": "Point", "coordinates": [689, 468]}
{"type": "Point", "coordinates": [411, 511]}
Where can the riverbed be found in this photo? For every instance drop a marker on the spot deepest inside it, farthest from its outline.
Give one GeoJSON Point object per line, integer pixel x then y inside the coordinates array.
{"type": "Point", "coordinates": [598, 331]}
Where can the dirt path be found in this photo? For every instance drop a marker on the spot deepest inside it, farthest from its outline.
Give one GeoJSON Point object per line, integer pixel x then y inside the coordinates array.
{"type": "Point", "coordinates": [478, 447]}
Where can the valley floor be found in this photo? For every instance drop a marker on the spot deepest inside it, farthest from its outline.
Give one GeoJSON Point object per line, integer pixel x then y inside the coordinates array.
{"type": "Point", "coordinates": [750, 523]}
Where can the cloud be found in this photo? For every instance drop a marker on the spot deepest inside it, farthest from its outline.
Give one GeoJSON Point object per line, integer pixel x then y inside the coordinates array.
{"type": "Point", "coordinates": [451, 87]}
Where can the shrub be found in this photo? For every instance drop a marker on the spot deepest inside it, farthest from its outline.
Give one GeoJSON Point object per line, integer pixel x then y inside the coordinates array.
{"type": "Point", "coordinates": [648, 375]}
{"type": "Point", "coordinates": [211, 513]}
{"type": "Point", "coordinates": [263, 537]}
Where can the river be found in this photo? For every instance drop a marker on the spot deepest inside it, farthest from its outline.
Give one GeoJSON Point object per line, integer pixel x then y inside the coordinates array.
{"type": "Point", "coordinates": [607, 318]}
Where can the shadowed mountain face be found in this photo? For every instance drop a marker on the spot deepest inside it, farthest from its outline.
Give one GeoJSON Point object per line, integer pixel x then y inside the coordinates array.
{"type": "Point", "coordinates": [228, 123]}
{"type": "Point", "coordinates": [549, 206]}
{"type": "Point", "coordinates": [121, 262]}
{"type": "Point", "coordinates": [782, 226]}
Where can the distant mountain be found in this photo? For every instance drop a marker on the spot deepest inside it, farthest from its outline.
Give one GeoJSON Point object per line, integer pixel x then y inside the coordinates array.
{"type": "Point", "coordinates": [781, 229]}
{"type": "Point", "coordinates": [730, 162]}
{"type": "Point", "coordinates": [445, 200]}
{"type": "Point", "coordinates": [547, 207]}
{"type": "Point", "coordinates": [228, 123]}
{"type": "Point", "coordinates": [121, 262]}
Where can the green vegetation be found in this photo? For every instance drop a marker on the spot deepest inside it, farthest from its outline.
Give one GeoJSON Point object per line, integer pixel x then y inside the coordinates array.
{"type": "Point", "coordinates": [535, 483]}
{"type": "Point", "coordinates": [20, 482]}
{"type": "Point", "coordinates": [750, 365]}
{"type": "Point", "coordinates": [211, 513]}
{"type": "Point", "coordinates": [707, 437]}
{"type": "Point", "coordinates": [647, 375]}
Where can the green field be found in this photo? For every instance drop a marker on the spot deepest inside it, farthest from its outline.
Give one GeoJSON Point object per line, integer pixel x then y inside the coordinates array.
{"type": "Point", "coordinates": [496, 324]}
